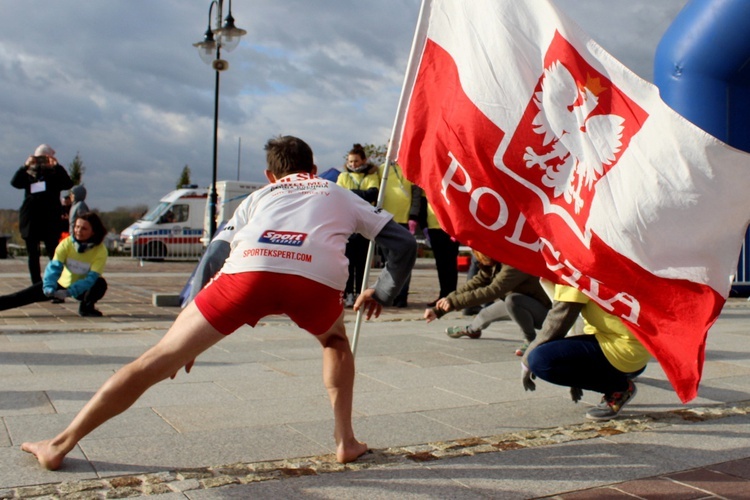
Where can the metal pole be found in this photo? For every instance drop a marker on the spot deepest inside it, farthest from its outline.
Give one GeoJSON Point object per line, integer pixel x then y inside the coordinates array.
{"type": "Point", "coordinates": [239, 151]}
{"type": "Point", "coordinates": [213, 198]}
{"type": "Point", "coordinates": [418, 40]}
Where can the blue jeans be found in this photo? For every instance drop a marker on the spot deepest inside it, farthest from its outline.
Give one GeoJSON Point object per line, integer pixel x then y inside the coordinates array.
{"type": "Point", "coordinates": [577, 361]}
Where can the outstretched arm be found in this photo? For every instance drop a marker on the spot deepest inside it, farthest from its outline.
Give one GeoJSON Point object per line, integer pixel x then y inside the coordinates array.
{"type": "Point", "coordinates": [218, 250]}
{"type": "Point", "coordinates": [400, 249]}
{"type": "Point", "coordinates": [51, 274]}
{"type": "Point", "coordinates": [212, 260]}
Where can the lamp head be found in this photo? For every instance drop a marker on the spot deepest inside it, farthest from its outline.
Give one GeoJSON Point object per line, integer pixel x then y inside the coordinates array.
{"type": "Point", "coordinates": [207, 47]}
{"type": "Point", "coordinates": [229, 34]}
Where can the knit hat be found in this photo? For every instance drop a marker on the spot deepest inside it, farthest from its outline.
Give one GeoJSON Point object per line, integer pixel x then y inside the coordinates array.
{"type": "Point", "coordinates": [79, 192]}
{"type": "Point", "coordinates": [44, 150]}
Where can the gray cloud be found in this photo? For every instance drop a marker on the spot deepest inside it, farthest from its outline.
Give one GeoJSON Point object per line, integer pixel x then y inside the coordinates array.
{"type": "Point", "coordinates": [119, 82]}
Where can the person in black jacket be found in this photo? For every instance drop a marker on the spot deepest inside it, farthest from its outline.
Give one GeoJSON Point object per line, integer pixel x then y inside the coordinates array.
{"type": "Point", "coordinates": [42, 180]}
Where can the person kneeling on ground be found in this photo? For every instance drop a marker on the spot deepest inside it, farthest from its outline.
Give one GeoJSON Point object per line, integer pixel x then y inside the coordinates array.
{"type": "Point", "coordinates": [605, 359]}
{"type": "Point", "coordinates": [517, 295]}
{"type": "Point", "coordinates": [74, 271]}
{"type": "Point", "coordinates": [284, 253]}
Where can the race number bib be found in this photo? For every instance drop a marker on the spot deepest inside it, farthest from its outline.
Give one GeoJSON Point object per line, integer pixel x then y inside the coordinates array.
{"type": "Point", "coordinates": [77, 267]}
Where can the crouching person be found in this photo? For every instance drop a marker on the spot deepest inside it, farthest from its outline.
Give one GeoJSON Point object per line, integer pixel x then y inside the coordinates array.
{"type": "Point", "coordinates": [605, 359]}
{"type": "Point", "coordinates": [74, 271]}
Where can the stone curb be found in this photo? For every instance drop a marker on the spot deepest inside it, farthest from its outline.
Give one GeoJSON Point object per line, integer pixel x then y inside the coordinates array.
{"type": "Point", "coordinates": [182, 480]}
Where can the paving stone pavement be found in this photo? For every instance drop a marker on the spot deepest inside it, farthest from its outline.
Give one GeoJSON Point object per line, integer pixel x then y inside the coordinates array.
{"type": "Point", "coordinates": [444, 418]}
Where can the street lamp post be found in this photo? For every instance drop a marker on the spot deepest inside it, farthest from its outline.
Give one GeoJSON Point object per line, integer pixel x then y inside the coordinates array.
{"type": "Point", "coordinates": [225, 36]}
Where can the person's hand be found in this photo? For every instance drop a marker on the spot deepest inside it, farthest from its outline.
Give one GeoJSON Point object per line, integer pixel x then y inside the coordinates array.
{"type": "Point", "coordinates": [31, 166]}
{"type": "Point", "coordinates": [371, 306]}
{"type": "Point", "coordinates": [528, 378]}
{"type": "Point", "coordinates": [413, 227]}
{"type": "Point", "coordinates": [443, 305]}
{"type": "Point", "coordinates": [188, 367]}
{"type": "Point", "coordinates": [60, 294]}
{"type": "Point", "coordinates": [429, 314]}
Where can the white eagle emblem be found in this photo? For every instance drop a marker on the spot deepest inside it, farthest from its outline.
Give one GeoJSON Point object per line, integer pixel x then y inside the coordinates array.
{"type": "Point", "coordinates": [581, 144]}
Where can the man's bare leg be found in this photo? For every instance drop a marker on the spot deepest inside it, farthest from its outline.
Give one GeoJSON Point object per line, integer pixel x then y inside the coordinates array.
{"type": "Point", "coordinates": [189, 336]}
{"type": "Point", "coordinates": [338, 376]}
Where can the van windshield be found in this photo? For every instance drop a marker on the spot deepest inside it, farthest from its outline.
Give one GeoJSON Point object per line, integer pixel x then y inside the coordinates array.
{"type": "Point", "coordinates": [155, 212]}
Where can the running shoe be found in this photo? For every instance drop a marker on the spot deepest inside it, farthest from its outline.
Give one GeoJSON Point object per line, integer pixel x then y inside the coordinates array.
{"type": "Point", "coordinates": [611, 404]}
{"type": "Point", "coordinates": [456, 332]}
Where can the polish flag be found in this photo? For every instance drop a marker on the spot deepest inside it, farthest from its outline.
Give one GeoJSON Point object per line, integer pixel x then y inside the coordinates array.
{"type": "Point", "coordinates": [538, 148]}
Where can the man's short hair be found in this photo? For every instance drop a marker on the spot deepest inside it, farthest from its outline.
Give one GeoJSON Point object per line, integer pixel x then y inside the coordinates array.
{"type": "Point", "coordinates": [288, 154]}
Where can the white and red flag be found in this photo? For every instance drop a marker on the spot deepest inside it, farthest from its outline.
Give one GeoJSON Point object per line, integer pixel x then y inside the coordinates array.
{"type": "Point", "coordinates": [538, 148]}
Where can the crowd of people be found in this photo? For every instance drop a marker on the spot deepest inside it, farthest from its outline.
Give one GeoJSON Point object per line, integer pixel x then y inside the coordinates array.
{"type": "Point", "coordinates": [243, 279]}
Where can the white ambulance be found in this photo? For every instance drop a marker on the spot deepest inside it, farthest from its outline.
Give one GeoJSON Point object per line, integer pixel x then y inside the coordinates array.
{"type": "Point", "coordinates": [171, 229]}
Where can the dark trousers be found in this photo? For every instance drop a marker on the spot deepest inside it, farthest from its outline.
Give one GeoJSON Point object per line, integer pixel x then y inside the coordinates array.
{"type": "Point", "coordinates": [91, 296]}
{"type": "Point", "coordinates": [445, 251]}
{"type": "Point", "coordinates": [577, 361]}
{"type": "Point", "coordinates": [34, 293]}
{"type": "Point", "coordinates": [34, 253]}
{"type": "Point", "coordinates": [356, 252]}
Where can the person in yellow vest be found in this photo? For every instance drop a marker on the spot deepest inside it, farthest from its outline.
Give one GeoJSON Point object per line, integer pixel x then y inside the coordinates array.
{"type": "Point", "coordinates": [363, 179]}
{"type": "Point", "coordinates": [75, 270]}
{"type": "Point", "coordinates": [605, 359]}
{"type": "Point", "coordinates": [402, 200]}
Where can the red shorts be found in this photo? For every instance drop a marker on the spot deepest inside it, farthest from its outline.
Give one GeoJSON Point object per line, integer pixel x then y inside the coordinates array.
{"type": "Point", "coordinates": [232, 300]}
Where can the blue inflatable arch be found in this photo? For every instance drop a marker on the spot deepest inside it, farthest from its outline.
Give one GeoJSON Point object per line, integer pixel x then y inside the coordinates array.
{"type": "Point", "coordinates": [702, 71]}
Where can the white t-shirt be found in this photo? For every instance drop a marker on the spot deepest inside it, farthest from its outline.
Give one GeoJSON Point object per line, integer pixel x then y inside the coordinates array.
{"type": "Point", "coordinates": [299, 225]}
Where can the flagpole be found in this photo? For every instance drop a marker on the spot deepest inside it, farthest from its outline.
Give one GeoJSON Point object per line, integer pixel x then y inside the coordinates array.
{"type": "Point", "coordinates": [420, 34]}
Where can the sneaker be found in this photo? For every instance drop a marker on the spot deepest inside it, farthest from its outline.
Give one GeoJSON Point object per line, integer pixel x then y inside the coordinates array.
{"type": "Point", "coordinates": [55, 300]}
{"type": "Point", "coordinates": [456, 332]}
{"type": "Point", "coordinates": [349, 300]}
{"type": "Point", "coordinates": [612, 404]}
{"type": "Point", "coordinates": [522, 349]}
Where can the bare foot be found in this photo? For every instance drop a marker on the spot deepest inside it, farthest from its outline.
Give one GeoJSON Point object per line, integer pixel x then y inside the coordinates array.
{"type": "Point", "coordinates": [350, 451]}
{"type": "Point", "coordinates": [47, 454]}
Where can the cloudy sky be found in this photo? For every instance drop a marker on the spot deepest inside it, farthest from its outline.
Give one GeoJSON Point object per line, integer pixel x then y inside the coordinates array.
{"type": "Point", "coordinates": [119, 82]}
